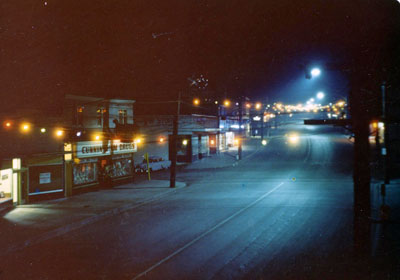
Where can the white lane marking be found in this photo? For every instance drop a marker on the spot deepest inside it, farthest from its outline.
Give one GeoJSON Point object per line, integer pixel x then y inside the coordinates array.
{"type": "Point", "coordinates": [205, 233]}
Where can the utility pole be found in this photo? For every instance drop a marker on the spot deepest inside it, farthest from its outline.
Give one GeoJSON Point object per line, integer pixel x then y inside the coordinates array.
{"type": "Point", "coordinates": [361, 169]}
{"type": "Point", "coordinates": [240, 129]}
{"type": "Point", "coordinates": [262, 125]}
{"type": "Point", "coordinates": [174, 143]}
{"type": "Point", "coordinates": [384, 150]}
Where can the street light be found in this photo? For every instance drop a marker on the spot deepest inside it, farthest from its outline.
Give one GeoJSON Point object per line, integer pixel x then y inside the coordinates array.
{"type": "Point", "coordinates": [320, 95]}
{"type": "Point", "coordinates": [227, 103]}
{"type": "Point", "coordinates": [196, 101]}
{"type": "Point", "coordinates": [315, 72]}
{"type": "Point", "coordinates": [25, 127]}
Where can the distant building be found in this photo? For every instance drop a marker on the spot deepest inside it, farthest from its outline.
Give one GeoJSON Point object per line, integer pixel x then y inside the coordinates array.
{"type": "Point", "coordinates": [94, 136]}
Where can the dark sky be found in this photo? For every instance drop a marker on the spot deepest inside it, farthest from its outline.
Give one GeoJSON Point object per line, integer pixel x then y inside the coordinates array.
{"type": "Point", "coordinates": [140, 49]}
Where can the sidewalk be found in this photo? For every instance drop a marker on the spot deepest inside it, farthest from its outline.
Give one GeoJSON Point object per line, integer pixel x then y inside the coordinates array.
{"type": "Point", "coordinates": [226, 158]}
{"type": "Point", "coordinates": [31, 224]}
{"type": "Point", "coordinates": [386, 231]}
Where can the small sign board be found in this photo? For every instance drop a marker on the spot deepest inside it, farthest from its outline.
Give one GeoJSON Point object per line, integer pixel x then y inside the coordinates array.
{"type": "Point", "coordinates": [45, 178]}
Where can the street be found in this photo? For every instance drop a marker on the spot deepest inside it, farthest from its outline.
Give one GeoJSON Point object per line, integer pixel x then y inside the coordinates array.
{"type": "Point", "coordinates": [283, 212]}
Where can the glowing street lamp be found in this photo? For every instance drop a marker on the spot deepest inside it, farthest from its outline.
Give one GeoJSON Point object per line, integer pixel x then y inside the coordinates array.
{"type": "Point", "coordinates": [315, 72]}
{"type": "Point", "coordinates": [320, 95]}
{"type": "Point", "coordinates": [196, 101]}
{"type": "Point", "coordinates": [258, 106]}
{"type": "Point", "coordinates": [59, 133]}
{"type": "Point", "coordinates": [227, 103]}
{"type": "Point", "coordinates": [25, 127]}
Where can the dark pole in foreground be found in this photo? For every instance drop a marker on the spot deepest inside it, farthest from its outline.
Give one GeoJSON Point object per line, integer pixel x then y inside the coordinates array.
{"type": "Point", "coordinates": [361, 172]}
{"type": "Point", "coordinates": [384, 151]}
{"type": "Point", "coordinates": [173, 143]}
{"type": "Point", "coordinates": [240, 130]}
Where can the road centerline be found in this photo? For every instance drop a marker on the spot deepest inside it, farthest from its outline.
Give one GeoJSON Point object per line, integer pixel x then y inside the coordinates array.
{"type": "Point", "coordinates": [187, 245]}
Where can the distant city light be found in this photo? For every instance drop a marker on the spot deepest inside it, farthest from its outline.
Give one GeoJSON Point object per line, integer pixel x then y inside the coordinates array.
{"type": "Point", "coordinates": [320, 95]}
{"type": "Point", "coordinates": [227, 103]}
{"type": "Point", "coordinates": [196, 101]}
{"type": "Point", "coordinates": [8, 124]}
{"type": "Point", "coordinates": [315, 72]}
{"type": "Point", "coordinates": [184, 142]}
{"type": "Point", "coordinates": [264, 142]}
{"type": "Point", "coordinates": [258, 106]}
{"type": "Point", "coordinates": [78, 134]}
{"type": "Point", "coordinates": [43, 130]}
{"type": "Point", "coordinates": [161, 139]}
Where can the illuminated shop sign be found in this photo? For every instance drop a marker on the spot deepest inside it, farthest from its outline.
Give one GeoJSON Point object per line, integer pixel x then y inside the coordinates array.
{"type": "Point", "coordinates": [96, 148]}
{"type": "Point", "coordinates": [91, 149]}
{"type": "Point", "coordinates": [123, 148]}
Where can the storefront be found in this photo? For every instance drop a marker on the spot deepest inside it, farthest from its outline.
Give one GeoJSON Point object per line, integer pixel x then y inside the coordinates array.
{"type": "Point", "coordinates": [45, 178]}
{"type": "Point", "coordinates": [6, 186]}
{"type": "Point", "coordinates": [94, 160]}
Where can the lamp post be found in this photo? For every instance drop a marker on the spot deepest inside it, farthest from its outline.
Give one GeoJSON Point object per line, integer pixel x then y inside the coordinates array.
{"type": "Point", "coordinates": [174, 137]}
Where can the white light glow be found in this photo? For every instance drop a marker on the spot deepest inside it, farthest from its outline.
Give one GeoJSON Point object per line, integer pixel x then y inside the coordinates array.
{"type": "Point", "coordinates": [315, 72]}
{"type": "Point", "coordinates": [320, 95]}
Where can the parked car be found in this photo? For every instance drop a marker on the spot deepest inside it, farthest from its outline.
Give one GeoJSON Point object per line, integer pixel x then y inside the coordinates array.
{"type": "Point", "coordinates": [155, 163]}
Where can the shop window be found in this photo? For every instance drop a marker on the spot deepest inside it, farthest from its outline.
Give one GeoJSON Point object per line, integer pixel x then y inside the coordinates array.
{"type": "Point", "coordinates": [121, 167]}
{"type": "Point", "coordinates": [123, 116]}
{"type": "Point", "coordinates": [85, 173]}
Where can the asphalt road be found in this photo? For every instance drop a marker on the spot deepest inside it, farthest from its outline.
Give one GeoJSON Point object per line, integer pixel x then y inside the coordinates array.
{"type": "Point", "coordinates": [284, 212]}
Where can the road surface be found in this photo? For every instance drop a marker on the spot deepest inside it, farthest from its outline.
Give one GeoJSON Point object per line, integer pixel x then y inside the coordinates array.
{"type": "Point", "coordinates": [283, 212]}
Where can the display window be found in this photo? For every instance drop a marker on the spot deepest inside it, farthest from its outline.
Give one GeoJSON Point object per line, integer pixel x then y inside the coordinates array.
{"type": "Point", "coordinates": [85, 171]}
{"type": "Point", "coordinates": [121, 166]}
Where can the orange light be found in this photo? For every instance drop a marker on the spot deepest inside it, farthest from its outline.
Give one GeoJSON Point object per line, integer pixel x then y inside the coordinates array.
{"type": "Point", "coordinates": [59, 133]}
{"type": "Point", "coordinates": [25, 127]}
{"type": "Point", "coordinates": [196, 101]}
{"type": "Point", "coordinates": [212, 142]}
{"type": "Point", "coordinates": [248, 105]}
{"type": "Point", "coordinates": [117, 141]}
{"type": "Point", "coordinates": [227, 103]}
{"type": "Point", "coordinates": [8, 124]}
{"type": "Point", "coordinates": [97, 137]}
{"type": "Point", "coordinates": [258, 106]}
{"type": "Point", "coordinates": [161, 140]}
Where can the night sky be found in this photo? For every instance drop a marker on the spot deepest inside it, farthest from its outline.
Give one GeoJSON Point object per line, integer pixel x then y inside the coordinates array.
{"type": "Point", "coordinates": [149, 49]}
